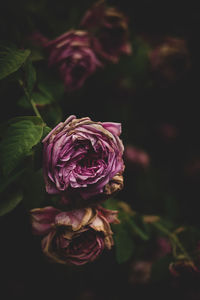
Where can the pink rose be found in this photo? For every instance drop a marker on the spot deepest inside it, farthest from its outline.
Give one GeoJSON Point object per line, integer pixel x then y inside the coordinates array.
{"type": "Point", "coordinates": [135, 156]}
{"type": "Point", "coordinates": [83, 158]}
{"type": "Point", "coordinates": [74, 237]}
{"type": "Point", "coordinates": [110, 29]}
{"type": "Point", "coordinates": [71, 53]}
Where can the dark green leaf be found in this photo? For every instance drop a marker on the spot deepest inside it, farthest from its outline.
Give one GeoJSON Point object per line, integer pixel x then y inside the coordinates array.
{"type": "Point", "coordinates": [124, 244]}
{"type": "Point", "coordinates": [17, 143]}
{"type": "Point", "coordinates": [46, 130]}
{"type": "Point", "coordinates": [53, 115]}
{"type": "Point", "coordinates": [39, 99]}
{"type": "Point", "coordinates": [9, 203]}
{"type": "Point", "coordinates": [11, 59]}
{"type": "Point", "coordinates": [30, 75]}
{"type": "Point", "coordinates": [137, 229]}
{"type": "Point", "coordinates": [111, 204]}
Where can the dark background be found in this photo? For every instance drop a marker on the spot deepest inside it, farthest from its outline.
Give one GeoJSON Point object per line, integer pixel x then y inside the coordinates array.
{"type": "Point", "coordinates": [141, 110]}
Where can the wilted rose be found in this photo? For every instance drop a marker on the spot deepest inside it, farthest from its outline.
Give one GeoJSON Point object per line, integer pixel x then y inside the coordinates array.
{"type": "Point", "coordinates": [83, 158]}
{"type": "Point", "coordinates": [171, 59]}
{"type": "Point", "coordinates": [110, 29]}
{"type": "Point", "coordinates": [182, 267]}
{"type": "Point", "coordinates": [71, 53]}
{"type": "Point", "coordinates": [74, 237]}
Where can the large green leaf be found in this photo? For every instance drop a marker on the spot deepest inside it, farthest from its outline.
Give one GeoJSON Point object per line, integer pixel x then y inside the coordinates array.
{"type": "Point", "coordinates": [11, 59]}
{"type": "Point", "coordinates": [10, 202]}
{"type": "Point", "coordinates": [18, 140]}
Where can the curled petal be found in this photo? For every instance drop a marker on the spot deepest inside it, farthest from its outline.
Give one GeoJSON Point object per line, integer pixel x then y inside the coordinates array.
{"type": "Point", "coordinates": [76, 219]}
{"type": "Point", "coordinates": [42, 219]}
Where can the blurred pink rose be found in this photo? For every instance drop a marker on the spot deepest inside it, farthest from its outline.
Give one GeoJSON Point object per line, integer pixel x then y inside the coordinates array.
{"type": "Point", "coordinates": [171, 59]}
{"type": "Point", "coordinates": [164, 247]}
{"type": "Point", "coordinates": [74, 237]}
{"type": "Point", "coordinates": [140, 272]}
{"type": "Point", "coordinates": [110, 29]}
{"type": "Point", "coordinates": [168, 131]}
{"type": "Point", "coordinates": [136, 156]}
{"type": "Point", "coordinates": [72, 54]}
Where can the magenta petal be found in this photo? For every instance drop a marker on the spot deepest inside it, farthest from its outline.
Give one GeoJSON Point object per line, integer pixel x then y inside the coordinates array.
{"type": "Point", "coordinates": [114, 128]}
{"type": "Point", "coordinates": [43, 218]}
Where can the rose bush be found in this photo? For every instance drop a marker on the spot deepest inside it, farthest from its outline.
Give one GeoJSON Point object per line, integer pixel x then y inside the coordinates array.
{"type": "Point", "coordinates": [110, 31]}
{"type": "Point", "coordinates": [74, 237]}
{"type": "Point", "coordinates": [71, 53]}
{"type": "Point", "coordinates": [83, 158]}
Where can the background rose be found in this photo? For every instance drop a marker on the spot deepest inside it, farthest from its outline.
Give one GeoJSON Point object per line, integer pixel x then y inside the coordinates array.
{"type": "Point", "coordinates": [74, 237]}
{"type": "Point", "coordinates": [72, 54]}
{"type": "Point", "coordinates": [84, 157]}
{"type": "Point", "coordinates": [110, 28]}
{"type": "Point", "coordinates": [170, 60]}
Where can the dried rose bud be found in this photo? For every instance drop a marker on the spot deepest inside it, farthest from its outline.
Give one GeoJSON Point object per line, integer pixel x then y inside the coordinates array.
{"type": "Point", "coordinates": [74, 237]}
{"type": "Point", "coordinates": [110, 29]}
{"type": "Point", "coordinates": [182, 267]}
{"type": "Point", "coordinates": [84, 158]}
{"type": "Point", "coordinates": [135, 156]}
{"type": "Point", "coordinates": [170, 60]}
{"type": "Point", "coordinates": [71, 53]}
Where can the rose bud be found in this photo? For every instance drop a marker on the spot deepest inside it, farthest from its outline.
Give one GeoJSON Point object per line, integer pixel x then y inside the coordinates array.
{"type": "Point", "coordinates": [135, 156]}
{"type": "Point", "coordinates": [170, 60]}
{"type": "Point", "coordinates": [110, 29]}
{"type": "Point", "coordinates": [74, 237]}
{"type": "Point", "coordinates": [71, 53]}
{"type": "Point", "coordinates": [182, 267]}
{"type": "Point", "coordinates": [83, 158]}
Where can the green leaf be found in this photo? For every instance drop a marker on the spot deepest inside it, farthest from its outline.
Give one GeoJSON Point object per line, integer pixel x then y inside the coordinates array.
{"type": "Point", "coordinates": [124, 244]}
{"type": "Point", "coordinates": [137, 229]}
{"type": "Point", "coordinates": [30, 75]}
{"type": "Point", "coordinates": [39, 99]}
{"type": "Point", "coordinates": [18, 140]}
{"type": "Point", "coordinates": [46, 131]}
{"type": "Point", "coordinates": [11, 59]}
{"type": "Point", "coordinates": [9, 203]}
{"type": "Point", "coordinates": [111, 204]}
{"type": "Point", "coordinates": [34, 190]}
{"type": "Point", "coordinates": [53, 115]}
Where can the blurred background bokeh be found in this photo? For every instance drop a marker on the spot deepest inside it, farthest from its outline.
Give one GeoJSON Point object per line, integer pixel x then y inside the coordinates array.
{"type": "Point", "coordinates": [154, 94]}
